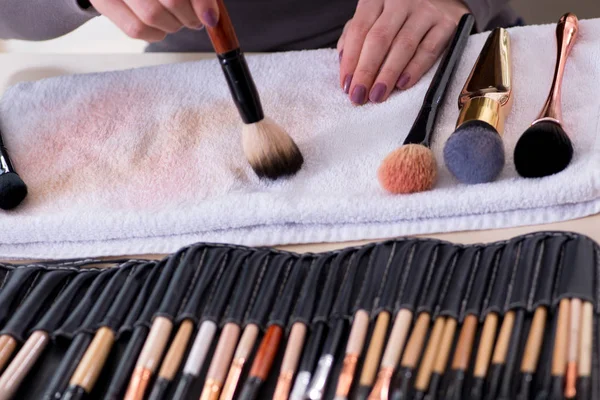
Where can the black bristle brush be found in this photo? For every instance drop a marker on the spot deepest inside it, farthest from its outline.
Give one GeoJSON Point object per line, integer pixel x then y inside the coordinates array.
{"type": "Point", "coordinates": [12, 188]}
{"type": "Point", "coordinates": [270, 151]}
{"type": "Point", "coordinates": [545, 149]}
{"type": "Point", "coordinates": [412, 167]}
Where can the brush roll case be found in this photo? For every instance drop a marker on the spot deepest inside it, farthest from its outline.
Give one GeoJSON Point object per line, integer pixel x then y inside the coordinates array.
{"type": "Point", "coordinates": [70, 300]}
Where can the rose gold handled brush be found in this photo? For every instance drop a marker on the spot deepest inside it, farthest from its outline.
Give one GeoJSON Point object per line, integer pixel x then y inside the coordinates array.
{"type": "Point", "coordinates": [545, 149]}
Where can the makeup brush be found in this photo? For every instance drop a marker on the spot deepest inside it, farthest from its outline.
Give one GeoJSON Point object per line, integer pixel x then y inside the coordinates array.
{"type": "Point", "coordinates": [269, 347]}
{"type": "Point", "coordinates": [412, 167]}
{"type": "Point", "coordinates": [573, 349]}
{"type": "Point", "coordinates": [474, 153]}
{"type": "Point", "coordinates": [337, 321]}
{"type": "Point", "coordinates": [217, 260]}
{"type": "Point", "coordinates": [399, 261]}
{"type": "Point", "coordinates": [208, 328]}
{"type": "Point", "coordinates": [545, 149]}
{"type": "Point", "coordinates": [270, 151]}
{"type": "Point", "coordinates": [559, 355]}
{"type": "Point", "coordinates": [303, 312]}
{"type": "Point", "coordinates": [147, 303]}
{"type": "Point", "coordinates": [499, 355]}
{"type": "Point", "coordinates": [12, 188]}
{"type": "Point", "coordinates": [82, 322]}
{"type": "Point", "coordinates": [38, 296]}
{"type": "Point", "coordinates": [148, 361]}
{"type": "Point", "coordinates": [39, 339]}
{"type": "Point", "coordinates": [584, 372]}
{"type": "Point", "coordinates": [319, 329]}
{"type": "Point", "coordinates": [377, 261]}
{"type": "Point", "coordinates": [88, 370]}
{"type": "Point", "coordinates": [533, 348]}
{"type": "Point", "coordinates": [274, 282]}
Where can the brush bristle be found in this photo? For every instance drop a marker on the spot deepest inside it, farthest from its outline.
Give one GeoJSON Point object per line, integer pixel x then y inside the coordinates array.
{"type": "Point", "coordinates": [408, 169]}
{"type": "Point", "coordinates": [544, 149]}
{"type": "Point", "coordinates": [12, 190]}
{"type": "Point", "coordinates": [474, 153]}
{"type": "Point", "coordinates": [270, 151]}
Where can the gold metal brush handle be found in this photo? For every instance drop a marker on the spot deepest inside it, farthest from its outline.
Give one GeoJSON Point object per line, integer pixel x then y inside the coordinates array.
{"type": "Point", "coordinates": [566, 33]}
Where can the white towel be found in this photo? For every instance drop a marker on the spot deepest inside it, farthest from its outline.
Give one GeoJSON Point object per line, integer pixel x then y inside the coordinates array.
{"type": "Point", "coordinates": [149, 160]}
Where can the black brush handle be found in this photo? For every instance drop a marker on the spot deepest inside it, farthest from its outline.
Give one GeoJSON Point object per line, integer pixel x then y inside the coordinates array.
{"type": "Point", "coordinates": [457, 380]}
{"type": "Point", "coordinates": [420, 133]}
{"type": "Point", "coordinates": [160, 389]}
{"type": "Point", "coordinates": [401, 386]}
{"type": "Point", "coordinates": [241, 85]}
{"type": "Point", "coordinates": [5, 163]}
{"type": "Point", "coordinates": [251, 389]}
{"type": "Point", "coordinates": [477, 389]}
{"type": "Point", "coordinates": [74, 393]}
{"type": "Point", "coordinates": [434, 386]}
{"type": "Point", "coordinates": [495, 379]}
{"type": "Point", "coordinates": [184, 387]}
{"type": "Point", "coordinates": [525, 389]}
{"type": "Point", "coordinates": [584, 388]}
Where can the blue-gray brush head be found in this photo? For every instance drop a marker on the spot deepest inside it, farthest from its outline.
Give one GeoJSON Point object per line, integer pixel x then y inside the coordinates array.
{"type": "Point", "coordinates": [544, 149]}
{"type": "Point", "coordinates": [474, 153]}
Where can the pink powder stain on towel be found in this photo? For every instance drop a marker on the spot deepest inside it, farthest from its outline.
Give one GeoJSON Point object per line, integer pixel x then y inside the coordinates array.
{"type": "Point", "coordinates": [108, 157]}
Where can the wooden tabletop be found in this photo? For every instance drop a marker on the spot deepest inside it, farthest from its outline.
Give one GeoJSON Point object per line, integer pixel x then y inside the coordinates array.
{"type": "Point", "coordinates": [19, 67]}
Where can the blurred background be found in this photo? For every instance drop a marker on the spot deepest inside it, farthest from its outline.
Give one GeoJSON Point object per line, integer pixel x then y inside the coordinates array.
{"type": "Point", "coordinates": [100, 36]}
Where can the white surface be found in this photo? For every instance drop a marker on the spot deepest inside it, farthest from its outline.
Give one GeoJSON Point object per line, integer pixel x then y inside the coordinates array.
{"type": "Point", "coordinates": [98, 35]}
{"type": "Point", "coordinates": [335, 197]}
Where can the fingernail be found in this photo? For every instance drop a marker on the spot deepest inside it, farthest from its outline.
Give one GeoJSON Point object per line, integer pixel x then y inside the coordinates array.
{"type": "Point", "coordinates": [403, 81]}
{"type": "Point", "coordinates": [378, 92]}
{"type": "Point", "coordinates": [199, 27]}
{"type": "Point", "coordinates": [347, 83]}
{"type": "Point", "coordinates": [341, 54]}
{"type": "Point", "coordinates": [359, 94]}
{"type": "Point", "coordinates": [210, 17]}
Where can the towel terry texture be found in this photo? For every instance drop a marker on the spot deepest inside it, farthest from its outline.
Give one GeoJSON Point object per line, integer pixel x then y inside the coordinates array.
{"type": "Point", "coordinates": [149, 160]}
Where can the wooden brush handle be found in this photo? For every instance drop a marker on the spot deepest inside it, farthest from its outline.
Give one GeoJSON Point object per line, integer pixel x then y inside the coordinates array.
{"type": "Point", "coordinates": [223, 35]}
{"type": "Point", "coordinates": [566, 33]}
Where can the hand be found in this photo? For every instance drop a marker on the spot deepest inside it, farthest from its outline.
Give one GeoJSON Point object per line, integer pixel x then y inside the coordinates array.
{"type": "Point", "coordinates": [152, 20]}
{"type": "Point", "coordinates": [393, 43]}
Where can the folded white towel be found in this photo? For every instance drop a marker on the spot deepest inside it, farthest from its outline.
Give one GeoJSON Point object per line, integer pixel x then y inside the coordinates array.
{"type": "Point", "coordinates": [149, 160]}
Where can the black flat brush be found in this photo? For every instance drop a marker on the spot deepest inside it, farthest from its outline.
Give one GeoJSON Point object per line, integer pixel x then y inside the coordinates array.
{"type": "Point", "coordinates": [545, 149]}
{"type": "Point", "coordinates": [269, 149]}
{"type": "Point", "coordinates": [12, 188]}
{"type": "Point", "coordinates": [412, 167]}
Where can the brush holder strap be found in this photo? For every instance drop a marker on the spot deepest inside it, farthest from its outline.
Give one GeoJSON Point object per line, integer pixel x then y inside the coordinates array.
{"type": "Point", "coordinates": [201, 291]}
{"type": "Point", "coordinates": [286, 299]}
{"type": "Point", "coordinates": [278, 272]}
{"type": "Point", "coordinates": [222, 292]}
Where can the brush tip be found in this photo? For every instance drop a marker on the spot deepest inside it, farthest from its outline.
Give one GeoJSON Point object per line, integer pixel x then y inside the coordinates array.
{"type": "Point", "coordinates": [544, 149]}
{"type": "Point", "coordinates": [270, 151]}
{"type": "Point", "coordinates": [12, 190]}
{"type": "Point", "coordinates": [474, 153]}
{"type": "Point", "coordinates": [409, 169]}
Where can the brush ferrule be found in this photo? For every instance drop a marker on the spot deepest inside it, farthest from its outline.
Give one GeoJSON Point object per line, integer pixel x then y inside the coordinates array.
{"type": "Point", "coordinates": [242, 86]}
{"type": "Point", "coordinates": [483, 109]}
{"type": "Point", "coordinates": [5, 164]}
{"type": "Point", "coordinates": [487, 94]}
{"type": "Point", "coordinates": [316, 390]}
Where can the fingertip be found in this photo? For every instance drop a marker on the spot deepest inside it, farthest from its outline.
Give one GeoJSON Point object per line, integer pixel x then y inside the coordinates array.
{"type": "Point", "coordinates": [210, 18]}
{"type": "Point", "coordinates": [378, 92]}
{"type": "Point", "coordinates": [404, 81]}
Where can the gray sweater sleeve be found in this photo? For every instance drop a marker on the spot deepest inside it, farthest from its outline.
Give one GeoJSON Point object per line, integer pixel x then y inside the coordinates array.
{"type": "Point", "coordinates": [488, 11]}
{"type": "Point", "coordinates": [40, 19]}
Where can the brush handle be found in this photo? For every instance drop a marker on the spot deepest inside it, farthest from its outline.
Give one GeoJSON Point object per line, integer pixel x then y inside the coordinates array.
{"type": "Point", "coordinates": [234, 66]}
{"type": "Point", "coordinates": [566, 33]}
{"type": "Point", "coordinates": [422, 128]}
{"type": "Point", "coordinates": [223, 35]}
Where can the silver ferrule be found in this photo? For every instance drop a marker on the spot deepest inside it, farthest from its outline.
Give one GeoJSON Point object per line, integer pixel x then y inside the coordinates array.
{"type": "Point", "coordinates": [300, 386]}
{"type": "Point", "coordinates": [317, 385]}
